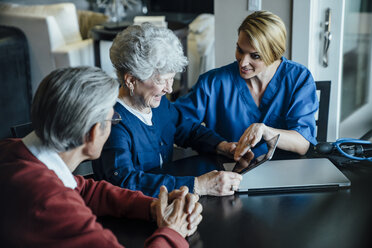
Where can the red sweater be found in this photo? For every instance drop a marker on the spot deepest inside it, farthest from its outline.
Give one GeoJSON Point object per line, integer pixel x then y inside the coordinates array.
{"type": "Point", "coordinates": [39, 211]}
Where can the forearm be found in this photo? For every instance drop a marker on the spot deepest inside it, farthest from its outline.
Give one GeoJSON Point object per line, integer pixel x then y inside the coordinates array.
{"type": "Point", "coordinates": [289, 140]}
{"type": "Point", "coordinates": [119, 169]}
{"type": "Point", "coordinates": [150, 183]}
{"type": "Point", "coordinates": [166, 237]}
{"type": "Point", "coordinates": [104, 198]}
{"type": "Point", "coordinates": [200, 138]}
{"type": "Point", "coordinates": [192, 134]}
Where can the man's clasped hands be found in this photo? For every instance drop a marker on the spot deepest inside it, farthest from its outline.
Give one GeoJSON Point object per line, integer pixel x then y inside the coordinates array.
{"type": "Point", "coordinates": [178, 210]}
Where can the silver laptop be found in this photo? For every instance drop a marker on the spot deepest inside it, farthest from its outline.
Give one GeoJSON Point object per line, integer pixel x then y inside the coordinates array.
{"type": "Point", "coordinates": [293, 175]}
{"type": "Point", "coordinates": [264, 176]}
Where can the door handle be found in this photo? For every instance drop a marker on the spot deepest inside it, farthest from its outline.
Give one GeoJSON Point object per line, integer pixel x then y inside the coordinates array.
{"type": "Point", "coordinates": [327, 37]}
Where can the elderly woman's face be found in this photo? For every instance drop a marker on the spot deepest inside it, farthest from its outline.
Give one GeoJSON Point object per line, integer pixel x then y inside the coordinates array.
{"type": "Point", "coordinates": [152, 90]}
{"type": "Point", "coordinates": [250, 62]}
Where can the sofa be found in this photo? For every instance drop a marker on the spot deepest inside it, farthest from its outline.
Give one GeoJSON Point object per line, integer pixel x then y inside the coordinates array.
{"type": "Point", "coordinates": [53, 36]}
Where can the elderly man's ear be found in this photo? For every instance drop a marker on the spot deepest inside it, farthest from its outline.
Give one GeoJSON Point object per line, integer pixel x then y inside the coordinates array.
{"type": "Point", "coordinates": [93, 142]}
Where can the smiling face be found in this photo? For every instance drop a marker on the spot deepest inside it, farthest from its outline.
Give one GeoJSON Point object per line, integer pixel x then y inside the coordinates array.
{"type": "Point", "coordinates": [249, 60]}
{"type": "Point", "coordinates": [149, 92]}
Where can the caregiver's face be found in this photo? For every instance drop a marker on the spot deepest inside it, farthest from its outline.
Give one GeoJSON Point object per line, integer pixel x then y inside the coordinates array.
{"type": "Point", "coordinates": [249, 60]}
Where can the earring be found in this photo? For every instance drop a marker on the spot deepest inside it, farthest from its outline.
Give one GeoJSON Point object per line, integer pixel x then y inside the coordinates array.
{"type": "Point", "coordinates": [131, 89]}
{"type": "Point", "coordinates": [131, 93]}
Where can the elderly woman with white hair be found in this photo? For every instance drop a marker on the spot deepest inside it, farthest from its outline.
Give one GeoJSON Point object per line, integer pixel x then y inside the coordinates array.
{"type": "Point", "coordinates": [146, 59]}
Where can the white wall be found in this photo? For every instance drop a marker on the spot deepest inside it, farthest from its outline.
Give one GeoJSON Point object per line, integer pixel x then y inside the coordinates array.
{"type": "Point", "coordinates": [230, 14]}
{"type": "Point", "coordinates": [80, 4]}
{"type": "Point", "coordinates": [307, 49]}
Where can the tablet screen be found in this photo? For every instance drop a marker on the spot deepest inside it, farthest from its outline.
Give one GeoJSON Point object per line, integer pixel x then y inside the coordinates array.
{"type": "Point", "coordinates": [271, 146]}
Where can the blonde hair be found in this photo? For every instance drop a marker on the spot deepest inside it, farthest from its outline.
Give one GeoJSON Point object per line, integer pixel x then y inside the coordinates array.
{"type": "Point", "coordinates": [266, 33]}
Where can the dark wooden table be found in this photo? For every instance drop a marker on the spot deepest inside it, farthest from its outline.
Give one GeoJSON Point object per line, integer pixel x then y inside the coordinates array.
{"type": "Point", "coordinates": [340, 218]}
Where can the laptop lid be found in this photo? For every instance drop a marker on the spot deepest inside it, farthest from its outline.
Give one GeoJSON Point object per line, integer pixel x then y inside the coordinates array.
{"type": "Point", "coordinates": [293, 175]}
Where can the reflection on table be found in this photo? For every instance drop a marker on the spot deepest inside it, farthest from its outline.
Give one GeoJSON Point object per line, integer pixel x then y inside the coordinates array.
{"type": "Point", "coordinates": [340, 218]}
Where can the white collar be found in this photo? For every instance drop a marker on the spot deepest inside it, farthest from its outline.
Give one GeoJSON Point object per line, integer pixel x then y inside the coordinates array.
{"type": "Point", "coordinates": [145, 118]}
{"type": "Point", "coordinates": [50, 158]}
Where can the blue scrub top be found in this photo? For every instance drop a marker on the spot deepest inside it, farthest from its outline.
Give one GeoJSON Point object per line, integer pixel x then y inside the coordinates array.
{"type": "Point", "coordinates": [133, 149]}
{"type": "Point", "coordinates": [222, 100]}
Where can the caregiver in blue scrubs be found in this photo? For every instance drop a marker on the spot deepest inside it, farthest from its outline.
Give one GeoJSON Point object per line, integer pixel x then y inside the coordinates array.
{"type": "Point", "coordinates": [260, 95]}
{"type": "Point", "coordinates": [146, 59]}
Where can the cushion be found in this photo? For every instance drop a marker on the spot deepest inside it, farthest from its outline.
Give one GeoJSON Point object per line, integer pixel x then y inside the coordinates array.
{"type": "Point", "coordinates": [89, 19]}
{"type": "Point", "coordinates": [64, 14]}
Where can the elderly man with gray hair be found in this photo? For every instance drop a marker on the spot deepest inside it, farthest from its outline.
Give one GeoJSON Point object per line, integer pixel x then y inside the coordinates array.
{"type": "Point", "coordinates": [45, 205]}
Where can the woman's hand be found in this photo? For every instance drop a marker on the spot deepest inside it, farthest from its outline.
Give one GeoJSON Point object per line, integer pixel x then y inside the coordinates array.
{"type": "Point", "coordinates": [290, 140]}
{"type": "Point", "coordinates": [226, 148]}
{"type": "Point", "coordinates": [178, 210]}
{"type": "Point", "coordinates": [217, 183]}
{"type": "Point", "coordinates": [251, 136]}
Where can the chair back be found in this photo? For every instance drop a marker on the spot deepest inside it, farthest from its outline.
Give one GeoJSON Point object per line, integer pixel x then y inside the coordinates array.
{"type": "Point", "coordinates": [15, 93]}
{"type": "Point", "coordinates": [22, 130]}
{"type": "Point", "coordinates": [323, 89]}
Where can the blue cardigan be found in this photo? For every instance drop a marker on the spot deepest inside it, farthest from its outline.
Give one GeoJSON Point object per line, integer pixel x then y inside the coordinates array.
{"type": "Point", "coordinates": [133, 149]}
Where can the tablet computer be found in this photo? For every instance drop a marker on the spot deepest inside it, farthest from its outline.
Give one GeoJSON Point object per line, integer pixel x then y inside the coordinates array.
{"type": "Point", "coordinates": [271, 144]}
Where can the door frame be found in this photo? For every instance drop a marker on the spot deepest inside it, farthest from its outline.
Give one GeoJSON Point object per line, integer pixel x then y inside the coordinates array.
{"type": "Point", "coordinates": [308, 20]}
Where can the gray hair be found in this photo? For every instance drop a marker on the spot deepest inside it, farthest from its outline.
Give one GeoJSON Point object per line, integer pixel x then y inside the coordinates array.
{"type": "Point", "coordinates": [146, 51]}
{"type": "Point", "coordinates": [69, 102]}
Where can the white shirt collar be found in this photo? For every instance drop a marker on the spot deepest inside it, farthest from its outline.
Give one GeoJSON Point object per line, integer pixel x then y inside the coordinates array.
{"type": "Point", "coordinates": [50, 158]}
{"type": "Point", "coordinates": [145, 118]}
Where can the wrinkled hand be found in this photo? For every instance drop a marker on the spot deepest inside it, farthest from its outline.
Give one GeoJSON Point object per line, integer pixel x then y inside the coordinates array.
{"type": "Point", "coordinates": [251, 136]}
{"type": "Point", "coordinates": [178, 210]}
{"type": "Point", "coordinates": [177, 193]}
{"type": "Point", "coordinates": [226, 148]}
{"type": "Point", "coordinates": [218, 183]}
{"type": "Point", "coordinates": [192, 206]}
